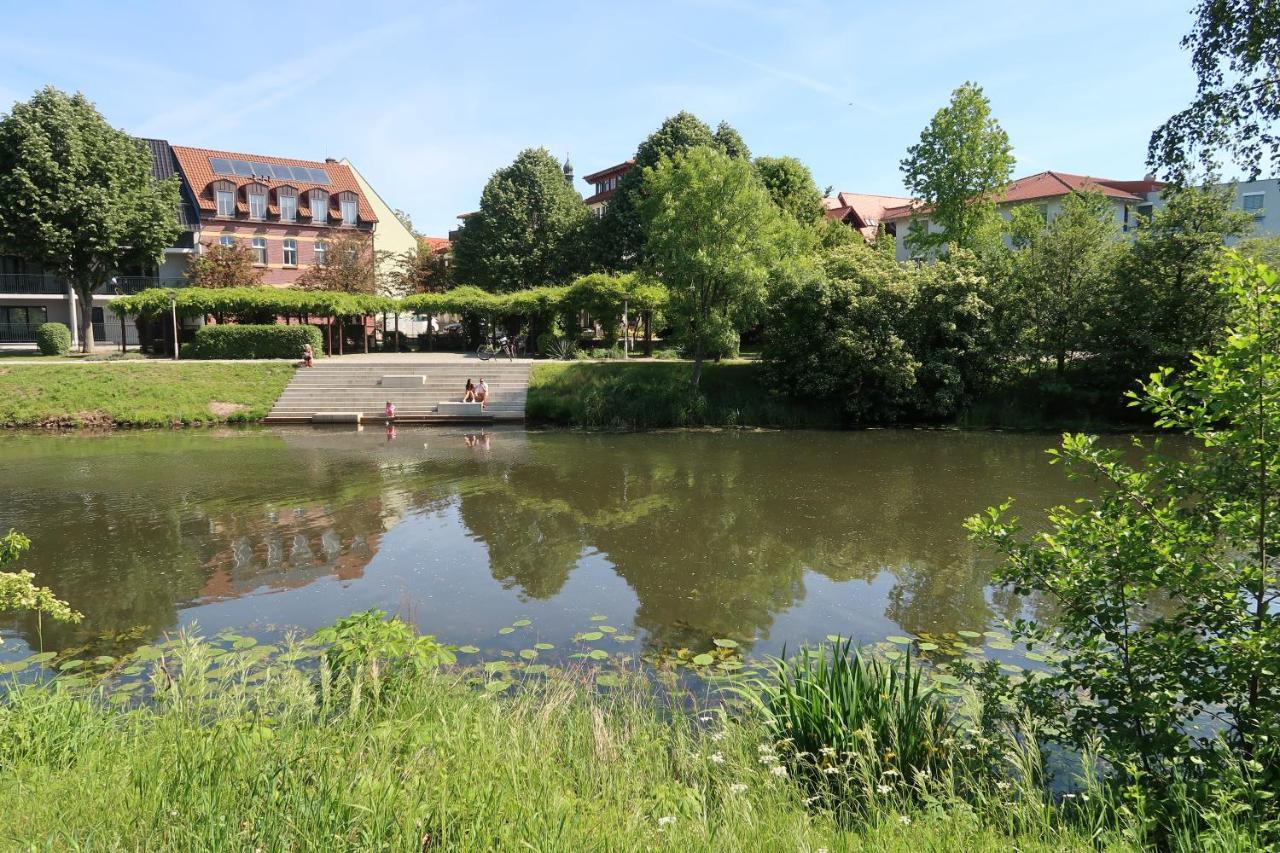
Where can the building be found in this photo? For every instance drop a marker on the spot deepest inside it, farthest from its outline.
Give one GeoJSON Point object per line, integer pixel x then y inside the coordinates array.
{"type": "Point", "coordinates": [605, 183]}
{"type": "Point", "coordinates": [1130, 200]}
{"type": "Point", "coordinates": [391, 237]}
{"type": "Point", "coordinates": [284, 210]}
{"type": "Point", "coordinates": [862, 211]}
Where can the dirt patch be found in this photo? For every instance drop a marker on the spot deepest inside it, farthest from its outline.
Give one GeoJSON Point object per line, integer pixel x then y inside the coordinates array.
{"type": "Point", "coordinates": [225, 410]}
{"type": "Point", "coordinates": [93, 419]}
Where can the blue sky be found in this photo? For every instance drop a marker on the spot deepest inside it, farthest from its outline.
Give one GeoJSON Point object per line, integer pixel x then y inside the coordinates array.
{"type": "Point", "coordinates": [429, 98]}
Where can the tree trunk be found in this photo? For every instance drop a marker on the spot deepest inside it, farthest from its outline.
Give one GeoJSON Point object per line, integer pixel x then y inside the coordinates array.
{"type": "Point", "coordinates": [648, 334]}
{"type": "Point", "coordinates": [397, 332]}
{"type": "Point", "coordinates": [84, 298]}
{"type": "Point", "coordinates": [1062, 362]}
{"type": "Point", "coordinates": [699, 355]}
{"type": "Point", "coordinates": [124, 337]}
{"type": "Point", "coordinates": [364, 331]}
{"type": "Point", "coordinates": [328, 333]}
{"type": "Point", "coordinates": [431, 333]}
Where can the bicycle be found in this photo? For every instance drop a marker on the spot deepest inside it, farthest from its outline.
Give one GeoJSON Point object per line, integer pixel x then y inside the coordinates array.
{"type": "Point", "coordinates": [511, 348]}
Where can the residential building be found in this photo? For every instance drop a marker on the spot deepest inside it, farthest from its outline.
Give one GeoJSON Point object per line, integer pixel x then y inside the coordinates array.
{"type": "Point", "coordinates": [391, 237]}
{"type": "Point", "coordinates": [605, 183]}
{"type": "Point", "coordinates": [862, 211]}
{"type": "Point", "coordinates": [284, 209]}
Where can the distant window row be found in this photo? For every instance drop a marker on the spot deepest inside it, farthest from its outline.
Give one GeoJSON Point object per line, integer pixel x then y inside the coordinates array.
{"type": "Point", "coordinates": [606, 185]}
{"type": "Point", "coordinates": [287, 200]}
{"type": "Point", "coordinates": [290, 250]}
{"type": "Point", "coordinates": [248, 169]}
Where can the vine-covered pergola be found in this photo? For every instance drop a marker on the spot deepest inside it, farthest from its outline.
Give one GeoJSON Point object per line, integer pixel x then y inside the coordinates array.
{"type": "Point", "coordinates": [612, 299]}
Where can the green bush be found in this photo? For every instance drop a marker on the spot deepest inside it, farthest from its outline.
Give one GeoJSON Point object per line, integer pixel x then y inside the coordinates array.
{"type": "Point", "coordinates": [248, 341]}
{"type": "Point", "coordinates": [53, 339]}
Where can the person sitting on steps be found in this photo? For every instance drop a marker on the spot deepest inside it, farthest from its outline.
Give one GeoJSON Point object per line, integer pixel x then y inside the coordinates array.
{"type": "Point", "coordinates": [469, 395]}
{"type": "Point", "coordinates": [482, 392]}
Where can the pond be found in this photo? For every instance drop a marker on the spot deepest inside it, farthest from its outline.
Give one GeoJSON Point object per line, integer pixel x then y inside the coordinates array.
{"type": "Point", "coordinates": [766, 538]}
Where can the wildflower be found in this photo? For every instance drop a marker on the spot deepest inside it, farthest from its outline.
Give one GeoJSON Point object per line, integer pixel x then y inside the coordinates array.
{"type": "Point", "coordinates": [828, 751]}
{"type": "Point", "coordinates": [891, 772]}
{"type": "Point", "coordinates": [884, 789]}
{"type": "Point", "coordinates": [707, 718]}
{"type": "Point", "coordinates": [763, 748]}
{"type": "Point", "coordinates": [717, 736]}
{"type": "Point", "coordinates": [717, 758]}
{"type": "Point", "coordinates": [778, 770]}
{"type": "Point", "coordinates": [768, 758]}
{"type": "Point", "coordinates": [737, 788]}
{"type": "Point", "coordinates": [1003, 786]}
{"type": "Point", "coordinates": [665, 821]}
{"type": "Point", "coordinates": [904, 820]}
{"type": "Point", "coordinates": [821, 850]}
{"type": "Point", "coordinates": [831, 771]}
{"type": "Point", "coordinates": [810, 801]}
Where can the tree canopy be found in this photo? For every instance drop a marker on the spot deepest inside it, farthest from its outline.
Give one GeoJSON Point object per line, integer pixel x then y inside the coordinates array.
{"type": "Point", "coordinates": [77, 195]}
{"type": "Point", "coordinates": [224, 266]}
{"type": "Point", "coordinates": [530, 229]}
{"type": "Point", "coordinates": [791, 186]}
{"type": "Point", "coordinates": [958, 168]}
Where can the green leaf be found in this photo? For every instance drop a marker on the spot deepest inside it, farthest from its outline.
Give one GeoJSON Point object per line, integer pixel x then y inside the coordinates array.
{"type": "Point", "coordinates": [507, 630]}
{"type": "Point", "coordinates": [589, 636]}
{"type": "Point", "coordinates": [520, 623]}
{"type": "Point", "coordinates": [726, 644]}
{"type": "Point", "coordinates": [703, 659]}
{"type": "Point", "coordinates": [468, 650]}
{"type": "Point", "coordinates": [598, 618]}
{"type": "Point", "coordinates": [900, 640]}
{"type": "Point", "coordinates": [598, 654]}
{"type": "Point", "coordinates": [497, 686]}
{"type": "Point", "coordinates": [607, 679]}
{"type": "Point", "coordinates": [528, 654]}
{"type": "Point", "coordinates": [543, 646]}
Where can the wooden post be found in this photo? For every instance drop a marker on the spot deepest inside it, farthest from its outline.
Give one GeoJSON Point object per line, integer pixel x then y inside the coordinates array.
{"type": "Point", "coordinates": [397, 331]}
{"type": "Point", "coordinates": [364, 331]}
{"type": "Point", "coordinates": [124, 338]}
{"type": "Point", "coordinates": [328, 333]}
{"type": "Point", "coordinates": [342, 334]}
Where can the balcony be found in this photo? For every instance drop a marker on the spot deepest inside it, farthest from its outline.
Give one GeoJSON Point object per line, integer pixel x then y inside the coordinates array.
{"type": "Point", "coordinates": [47, 284]}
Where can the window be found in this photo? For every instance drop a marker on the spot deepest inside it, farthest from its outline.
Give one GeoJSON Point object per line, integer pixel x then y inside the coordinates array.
{"type": "Point", "coordinates": [1252, 203]}
{"type": "Point", "coordinates": [287, 198]}
{"type": "Point", "coordinates": [290, 253]}
{"type": "Point", "coordinates": [257, 201]}
{"type": "Point", "coordinates": [260, 251]}
{"type": "Point", "coordinates": [226, 241]}
{"type": "Point", "coordinates": [320, 250]}
{"type": "Point", "coordinates": [347, 203]}
{"type": "Point", "coordinates": [1044, 212]}
{"type": "Point", "coordinates": [319, 206]}
{"type": "Point", "coordinates": [224, 194]}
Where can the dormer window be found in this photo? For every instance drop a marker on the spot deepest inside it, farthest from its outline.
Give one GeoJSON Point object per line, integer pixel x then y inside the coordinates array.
{"type": "Point", "coordinates": [287, 199]}
{"type": "Point", "coordinates": [224, 194]}
{"type": "Point", "coordinates": [349, 207]}
{"type": "Point", "coordinates": [257, 194]}
{"type": "Point", "coordinates": [319, 207]}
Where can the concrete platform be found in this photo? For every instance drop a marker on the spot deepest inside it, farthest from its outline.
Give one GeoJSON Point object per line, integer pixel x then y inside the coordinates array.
{"type": "Point", "coordinates": [466, 410]}
{"type": "Point", "coordinates": [407, 380]}
{"type": "Point", "coordinates": [336, 417]}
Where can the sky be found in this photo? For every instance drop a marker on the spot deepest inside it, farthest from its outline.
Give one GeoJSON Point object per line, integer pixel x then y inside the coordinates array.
{"type": "Point", "coordinates": [428, 99]}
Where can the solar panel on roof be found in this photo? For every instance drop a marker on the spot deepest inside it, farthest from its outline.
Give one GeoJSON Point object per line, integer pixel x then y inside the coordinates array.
{"type": "Point", "coordinates": [319, 176]}
{"type": "Point", "coordinates": [220, 166]}
{"type": "Point", "coordinates": [241, 167]}
{"type": "Point", "coordinates": [301, 173]}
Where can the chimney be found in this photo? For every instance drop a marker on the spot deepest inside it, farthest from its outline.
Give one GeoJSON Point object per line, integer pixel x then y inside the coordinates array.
{"type": "Point", "coordinates": [330, 160]}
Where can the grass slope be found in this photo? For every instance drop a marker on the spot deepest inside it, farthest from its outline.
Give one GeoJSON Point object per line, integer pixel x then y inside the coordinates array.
{"type": "Point", "coordinates": [144, 394]}
{"type": "Point", "coordinates": [655, 395]}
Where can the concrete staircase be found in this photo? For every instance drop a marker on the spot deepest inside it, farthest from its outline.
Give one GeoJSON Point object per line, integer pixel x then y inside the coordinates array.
{"type": "Point", "coordinates": [349, 388]}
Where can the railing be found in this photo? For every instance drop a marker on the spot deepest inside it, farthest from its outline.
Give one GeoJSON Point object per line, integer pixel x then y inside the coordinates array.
{"type": "Point", "coordinates": [18, 333]}
{"type": "Point", "coordinates": [45, 284]}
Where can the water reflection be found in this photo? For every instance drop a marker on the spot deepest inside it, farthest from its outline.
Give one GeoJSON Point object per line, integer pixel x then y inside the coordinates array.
{"type": "Point", "coordinates": [764, 537]}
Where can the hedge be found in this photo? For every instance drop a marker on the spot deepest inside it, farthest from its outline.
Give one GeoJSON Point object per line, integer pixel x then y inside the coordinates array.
{"type": "Point", "coordinates": [53, 339]}
{"type": "Point", "coordinates": [249, 341]}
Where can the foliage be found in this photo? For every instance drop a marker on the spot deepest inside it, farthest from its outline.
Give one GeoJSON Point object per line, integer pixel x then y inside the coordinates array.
{"type": "Point", "coordinates": [224, 266]}
{"type": "Point", "coordinates": [849, 716]}
{"type": "Point", "coordinates": [385, 650]}
{"type": "Point", "coordinates": [713, 237]}
{"type": "Point", "coordinates": [727, 139]}
{"type": "Point", "coordinates": [423, 270]}
{"type": "Point", "coordinates": [529, 230]}
{"type": "Point", "coordinates": [18, 591]}
{"type": "Point", "coordinates": [254, 341]}
{"type": "Point", "coordinates": [790, 184]}
{"type": "Point", "coordinates": [1163, 304]}
{"type": "Point", "coordinates": [960, 165]}
{"type": "Point", "coordinates": [53, 339]}
{"type": "Point", "coordinates": [77, 196]}
{"type": "Point", "coordinates": [351, 265]}
{"type": "Point", "coordinates": [835, 336]}
{"type": "Point", "coordinates": [1235, 51]}
{"type": "Point", "coordinates": [1061, 274]}
{"type": "Point", "coordinates": [138, 393]}
{"type": "Point", "coordinates": [1163, 586]}
{"type": "Point", "coordinates": [250, 301]}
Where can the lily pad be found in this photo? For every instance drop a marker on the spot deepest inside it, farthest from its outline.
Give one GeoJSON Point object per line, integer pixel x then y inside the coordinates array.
{"type": "Point", "coordinates": [543, 646]}
{"type": "Point", "coordinates": [624, 638]}
{"type": "Point", "coordinates": [528, 654]}
{"type": "Point", "coordinates": [726, 644]}
{"type": "Point", "coordinates": [608, 629]}
{"type": "Point", "coordinates": [902, 641]}
{"type": "Point", "coordinates": [536, 669]}
{"type": "Point", "coordinates": [497, 686]}
{"type": "Point", "coordinates": [703, 659]}
{"type": "Point", "coordinates": [468, 650]}
{"type": "Point", "coordinates": [598, 618]}
{"type": "Point", "coordinates": [520, 623]}
{"type": "Point", "coordinates": [598, 654]}
{"type": "Point", "coordinates": [607, 679]}
{"type": "Point", "coordinates": [507, 630]}
{"type": "Point", "coordinates": [589, 636]}
{"type": "Point", "coordinates": [928, 647]}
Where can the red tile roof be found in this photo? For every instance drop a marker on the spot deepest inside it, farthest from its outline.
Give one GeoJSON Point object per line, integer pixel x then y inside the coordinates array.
{"type": "Point", "coordinates": [866, 210]}
{"type": "Point", "coordinates": [621, 168]}
{"type": "Point", "coordinates": [199, 173]}
{"type": "Point", "coordinates": [1049, 185]}
{"type": "Point", "coordinates": [436, 244]}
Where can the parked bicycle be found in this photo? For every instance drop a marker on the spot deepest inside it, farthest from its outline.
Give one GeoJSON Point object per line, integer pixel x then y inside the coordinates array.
{"type": "Point", "coordinates": [512, 348]}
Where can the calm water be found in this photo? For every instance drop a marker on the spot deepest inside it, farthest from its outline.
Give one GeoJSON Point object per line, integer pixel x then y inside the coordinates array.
{"type": "Point", "coordinates": [767, 538]}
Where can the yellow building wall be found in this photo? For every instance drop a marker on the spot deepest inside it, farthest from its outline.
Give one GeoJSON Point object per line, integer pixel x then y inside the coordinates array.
{"type": "Point", "coordinates": [389, 235]}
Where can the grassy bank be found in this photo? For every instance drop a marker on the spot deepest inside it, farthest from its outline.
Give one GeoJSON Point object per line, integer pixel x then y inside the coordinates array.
{"type": "Point", "coordinates": [655, 395]}
{"type": "Point", "coordinates": [137, 394]}
{"type": "Point", "coordinates": [233, 756]}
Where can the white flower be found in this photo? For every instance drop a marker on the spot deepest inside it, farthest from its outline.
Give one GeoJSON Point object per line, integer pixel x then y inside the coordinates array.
{"type": "Point", "coordinates": [821, 850]}
{"type": "Point", "coordinates": [831, 771]}
{"type": "Point", "coordinates": [810, 801]}
{"type": "Point", "coordinates": [1003, 786]}
{"type": "Point", "coordinates": [891, 772]}
{"type": "Point", "coordinates": [904, 820]}
{"type": "Point", "coordinates": [763, 748]}
{"type": "Point", "coordinates": [768, 758]}
{"type": "Point", "coordinates": [717, 736]}
{"type": "Point", "coordinates": [737, 788]}
{"type": "Point", "coordinates": [717, 758]}
{"type": "Point", "coordinates": [664, 822]}
{"type": "Point", "coordinates": [828, 751]}
{"type": "Point", "coordinates": [707, 718]}
{"type": "Point", "coordinates": [884, 789]}
{"type": "Point", "coordinates": [778, 770]}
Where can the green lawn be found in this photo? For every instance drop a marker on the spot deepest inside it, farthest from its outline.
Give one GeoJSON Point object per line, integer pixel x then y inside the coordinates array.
{"type": "Point", "coordinates": [137, 394]}
{"type": "Point", "coordinates": [655, 395]}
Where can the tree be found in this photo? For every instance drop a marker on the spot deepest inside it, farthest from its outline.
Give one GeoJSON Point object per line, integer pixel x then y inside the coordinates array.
{"type": "Point", "coordinates": [1060, 275]}
{"type": "Point", "coordinates": [1235, 52]}
{"type": "Point", "coordinates": [1165, 304]}
{"type": "Point", "coordinates": [529, 230]}
{"type": "Point", "coordinates": [351, 265]}
{"type": "Point", "coordinates": [423, 270]}
{"type": "Point", "coordinates": [18, 590]}
{"type": "Point", "coordinates": [224, 266]}
{"type": "Point", "coordinates": [713, 237]}
{"type": "Point", "coordinates": [406, 220]}
{"type": "Point", "coordinates": [959, 167]}
{"type": "Point", "coordinates": [618, 238]}
{"type": "Point", "coordinates": [1196, 530]}
{"type": "Point", "coordinates": [791, 186]}
{"type": "Point", "coordinates": [77, 196]}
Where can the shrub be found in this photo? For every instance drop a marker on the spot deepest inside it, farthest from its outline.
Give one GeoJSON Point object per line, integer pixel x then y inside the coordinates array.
{"type": "Point", "coordinates": [385, 651]}
{"type": "Point", "coordinates": [53, 339]}
{"type": "Point", "coordinates": [248, 341]}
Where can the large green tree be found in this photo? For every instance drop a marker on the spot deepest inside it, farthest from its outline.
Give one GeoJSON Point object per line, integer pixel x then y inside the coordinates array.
{"type": "Point", "coordinates": [713, 237]}
{"type": "Point", "coordinates": [959, 167]}
{"type": "Point", "coordinates": [619, 234]}
{"type": "Point", "coordinates": [77, 196]}
{"type": "Point", "coordinates": [529, 230]}
{"type": "Point", "coordinates": [1235, 52]}
{"type": "Point", "coordinates": [1165, 304]}
{"type": "Point", "coordinates": [792, 188]}
{"type": "Point", "coordinates": [1061, 274]}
